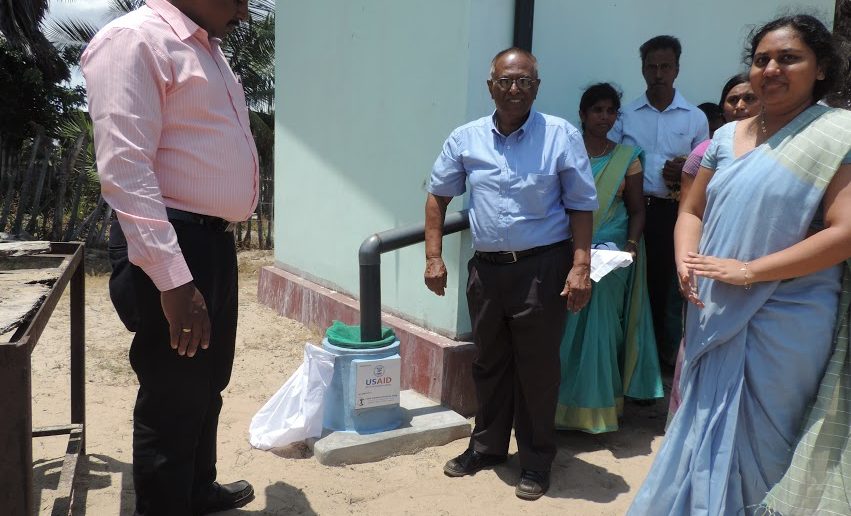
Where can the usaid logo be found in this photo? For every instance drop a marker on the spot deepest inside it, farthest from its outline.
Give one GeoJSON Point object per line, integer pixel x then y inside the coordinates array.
{"type": "Point", "coordinates": [378, 377]}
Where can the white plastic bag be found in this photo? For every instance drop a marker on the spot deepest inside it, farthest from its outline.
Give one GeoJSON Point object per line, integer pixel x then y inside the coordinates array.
{"type": "Point", "coordinates": [294, 413]}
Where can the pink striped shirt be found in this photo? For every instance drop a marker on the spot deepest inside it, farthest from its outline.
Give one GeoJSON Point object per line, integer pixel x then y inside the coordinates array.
{"type": "Point", "coordinates": [171, 129]}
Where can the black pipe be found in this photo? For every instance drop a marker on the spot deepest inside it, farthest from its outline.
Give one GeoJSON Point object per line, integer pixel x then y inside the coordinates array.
{"type": "Point", "coordinates": [369, 258]}
{"type": "Point", "coordinates": [524, 13]}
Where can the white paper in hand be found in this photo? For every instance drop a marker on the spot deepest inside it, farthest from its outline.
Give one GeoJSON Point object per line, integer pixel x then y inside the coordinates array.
{"type": "Point", "coordinates": [607, 257]}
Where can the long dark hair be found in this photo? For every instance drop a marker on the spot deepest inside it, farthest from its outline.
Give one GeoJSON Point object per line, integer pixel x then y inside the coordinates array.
{"type": "Point", "coordinates": [816, 36]}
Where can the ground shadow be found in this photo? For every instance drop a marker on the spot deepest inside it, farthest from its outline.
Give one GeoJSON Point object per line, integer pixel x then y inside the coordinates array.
{"type": "Point", "coordinates": [45, 477]}
{"type": "Point", "coordinates": [281, 498]}
{"type": "Point", "coordinates": [96, 473]}
{"type": "Point", "coordinates": [571, 478]}
{"type": "Point", "coordinates": [298, 451]}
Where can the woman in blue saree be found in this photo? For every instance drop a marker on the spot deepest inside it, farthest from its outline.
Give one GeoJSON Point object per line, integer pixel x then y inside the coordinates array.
{"type": "Point", "coordinates": [758, 250]}
{"type": "Point", "coordinates": [608, 350]}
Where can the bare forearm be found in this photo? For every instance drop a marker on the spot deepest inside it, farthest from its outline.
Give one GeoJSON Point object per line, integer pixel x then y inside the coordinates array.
{"type": "Point", "coordinates": [820, 251]}
{"type": "Point", "coordinates": [687, 233]}
{"type": "Point", "coordinates": [686, 182]}
{"type": "Point", "coordinates": [435, 214]}
{"type": "Point", "coordinates": [581, 225]}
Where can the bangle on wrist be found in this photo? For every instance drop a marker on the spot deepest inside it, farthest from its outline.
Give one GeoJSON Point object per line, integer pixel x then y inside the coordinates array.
{"type": "Point", "coordinates": [433, 257]}
{"type": "Point", "coordinates": [748, 275]}
{"type": "Point", "coordinates": [633, 242]}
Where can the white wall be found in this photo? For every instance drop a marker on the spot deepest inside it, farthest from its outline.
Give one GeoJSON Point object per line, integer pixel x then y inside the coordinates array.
{"type": "Point", "coordinates": [578, 43]}
{"type": "Point", "coordinates": [367, 90]}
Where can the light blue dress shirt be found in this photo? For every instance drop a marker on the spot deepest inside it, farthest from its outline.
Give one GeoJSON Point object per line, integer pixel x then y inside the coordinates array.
{"type": "Point", "coordinates": [520, 184]}
{"type": "Point", "coordinates": [662, 135]}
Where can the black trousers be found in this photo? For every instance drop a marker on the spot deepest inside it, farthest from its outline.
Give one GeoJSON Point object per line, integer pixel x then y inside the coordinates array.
{"type": "Point", "coordinates": [665, 301]}
{"type": "Point", "coordinates": [177, 407]}
{"type": "Point", "coordinates": [518, 320]}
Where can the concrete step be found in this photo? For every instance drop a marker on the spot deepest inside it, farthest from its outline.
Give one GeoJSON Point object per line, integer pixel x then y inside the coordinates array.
{"type": "Point", "coordinates": [425, 423]}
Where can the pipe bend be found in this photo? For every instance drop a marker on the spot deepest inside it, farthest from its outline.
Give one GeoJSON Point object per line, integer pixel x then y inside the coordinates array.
{"type": "Point", "coordinates": [369, 252]}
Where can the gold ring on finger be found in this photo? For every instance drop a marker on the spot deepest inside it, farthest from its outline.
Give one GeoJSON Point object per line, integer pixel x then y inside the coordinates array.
{"type": "Point", "coordinates": [186, 330]}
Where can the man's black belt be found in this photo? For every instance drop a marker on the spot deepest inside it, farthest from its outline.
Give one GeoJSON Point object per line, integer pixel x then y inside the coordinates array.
{"type": "Point", "coordinates": [216, 224]}
{"type": "Point", "coordinates": [506, 257]}
{"type": "Point", "coordinates": [656, 201]}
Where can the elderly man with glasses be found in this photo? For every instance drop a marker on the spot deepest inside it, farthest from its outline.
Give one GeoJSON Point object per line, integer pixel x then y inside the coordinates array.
{"type": "Point", "coordinates": [532, 196]}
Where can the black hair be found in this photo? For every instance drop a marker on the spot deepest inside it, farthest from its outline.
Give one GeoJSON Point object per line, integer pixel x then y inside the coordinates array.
{"type": "Point", "coordinates": [816, 36]}
{"type": "Point", "coordinates": [732, 82]}
{"type": "Point", "coordinates": [515, 50]}
{"type": "Point", "coordinates": [711, 110]}
{"type": "Point", "coordinates": [597, 92]}
{"type": "Point", "coordinates": [661, 43]}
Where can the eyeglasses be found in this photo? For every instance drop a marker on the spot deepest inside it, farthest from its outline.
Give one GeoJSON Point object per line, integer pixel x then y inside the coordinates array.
{"type": "Point", "coordinates": [523, 83]}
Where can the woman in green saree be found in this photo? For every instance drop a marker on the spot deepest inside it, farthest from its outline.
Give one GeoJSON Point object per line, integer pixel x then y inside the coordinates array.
{"type": "Point", "coordinates": [608, 350]}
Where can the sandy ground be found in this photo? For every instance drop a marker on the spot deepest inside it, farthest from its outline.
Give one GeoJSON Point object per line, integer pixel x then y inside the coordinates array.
{"type": "Point", "coordinates": [591, 475]}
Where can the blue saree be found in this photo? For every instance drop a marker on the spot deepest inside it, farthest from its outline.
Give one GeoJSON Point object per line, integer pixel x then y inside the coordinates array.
{"type": "Point", "coordinates": [753, 358]}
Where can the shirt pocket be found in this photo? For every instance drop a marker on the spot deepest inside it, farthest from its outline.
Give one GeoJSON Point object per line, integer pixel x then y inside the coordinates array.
{"type": "Point", "coordinates": [678, 138]}
{"type": "Point", "coordinates": [536, 194]}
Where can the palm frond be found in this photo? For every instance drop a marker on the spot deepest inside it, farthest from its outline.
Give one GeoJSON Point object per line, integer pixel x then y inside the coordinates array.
{"type": "Point", "coordinates": [120, 7]}
{"type": "Point", "coordinates": [261, 9]}
{"type": "Point", "coordinates": [71, 32]}
{"type": "Point", "coordinates": [19, 21]}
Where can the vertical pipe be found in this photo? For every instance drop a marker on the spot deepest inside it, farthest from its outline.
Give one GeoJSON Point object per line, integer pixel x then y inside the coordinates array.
{"type": "Point", "coordinates": [524, 13]}
{"type": "Point", "coordinates": [370, 302]}
{"type": "Point", "coordinates": [78, 346]}
{"type": "Point", "coordinates": [16, 446]}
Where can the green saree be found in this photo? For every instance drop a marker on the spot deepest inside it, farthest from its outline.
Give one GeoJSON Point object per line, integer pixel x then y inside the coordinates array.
{"type": "Point", "coordinates": [609, 350]}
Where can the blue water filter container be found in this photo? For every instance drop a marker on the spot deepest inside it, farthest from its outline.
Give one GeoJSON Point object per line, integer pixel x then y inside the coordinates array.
{"type": "Point", "coordinates": [364, 393]}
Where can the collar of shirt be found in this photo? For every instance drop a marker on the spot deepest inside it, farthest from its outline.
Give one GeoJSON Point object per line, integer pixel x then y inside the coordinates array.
{"type": "Point", "coordinates": [521, 131]}
{"type": "Point", "coordinates": [182, 25]}
{"type": "Point", "coordinates": [679, 102]}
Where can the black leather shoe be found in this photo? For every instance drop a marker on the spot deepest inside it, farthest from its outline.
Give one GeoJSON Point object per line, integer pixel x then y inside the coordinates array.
{"type": "Point", "coordinates": [533, 484]}
{"type": "Point", "coordinates": [228, 496]}
{"type": "Point", "coordinates": [469, 462]}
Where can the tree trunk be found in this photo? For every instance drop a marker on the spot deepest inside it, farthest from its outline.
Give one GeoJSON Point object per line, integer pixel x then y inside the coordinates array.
{"type": "Point", "coordinates": [34, 207]}
{"type": "Point", "coordinates": [26, 186]}
{"type": "Point", "coordinates": [260, 234]}
{"type": "Point", "coordinates": [246, 242]}
{"type": "Point", "coordinates": [107, 219]}
{"type": "Point", "coordinates": [89, 220]}
{"type": "Point", "coordinates": [10, 190]}
{"type": "Point", "coordinates": [64, 173]}
{"type": "Point", "coordinates": [75, 205]}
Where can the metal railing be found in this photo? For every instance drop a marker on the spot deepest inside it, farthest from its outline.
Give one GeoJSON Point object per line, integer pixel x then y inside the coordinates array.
{"type": "Point", "coordinates": [369, 257]}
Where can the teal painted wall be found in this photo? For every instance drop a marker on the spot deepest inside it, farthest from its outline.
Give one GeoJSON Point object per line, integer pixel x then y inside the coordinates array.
{"type": "Point", "coordinates": [578, 46]}
{"type": "Point", "coordinates": [367, 90]}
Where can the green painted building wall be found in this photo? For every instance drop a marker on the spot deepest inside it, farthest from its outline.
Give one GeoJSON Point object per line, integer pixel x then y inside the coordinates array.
{"type": "Point", "coordinates": [367, 90]}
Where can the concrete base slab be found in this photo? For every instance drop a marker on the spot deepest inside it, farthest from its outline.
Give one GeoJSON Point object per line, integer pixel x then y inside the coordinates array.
{"type": "Point", "coordinates": [424, 424]}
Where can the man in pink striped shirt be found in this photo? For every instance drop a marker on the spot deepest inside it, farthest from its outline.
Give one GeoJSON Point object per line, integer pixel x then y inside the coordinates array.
{"type": "Point", "coordinates": [177, 163]}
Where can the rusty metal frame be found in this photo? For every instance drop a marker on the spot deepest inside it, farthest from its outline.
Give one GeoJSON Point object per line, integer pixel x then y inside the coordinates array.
{"type": "Point", "coordinates": [16, 432]}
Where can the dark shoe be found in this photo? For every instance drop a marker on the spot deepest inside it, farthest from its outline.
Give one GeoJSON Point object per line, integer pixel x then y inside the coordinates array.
{"type": "Point", "coordinates": [469, 462]}
{"type": "Point", "coordinates": [533, 484]}
{"type": "Point", "coordinates": [228, 496]}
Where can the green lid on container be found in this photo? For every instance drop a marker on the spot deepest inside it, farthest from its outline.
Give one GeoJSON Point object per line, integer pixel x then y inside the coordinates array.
{"type": "Point", "coordinates": [343, 335]}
